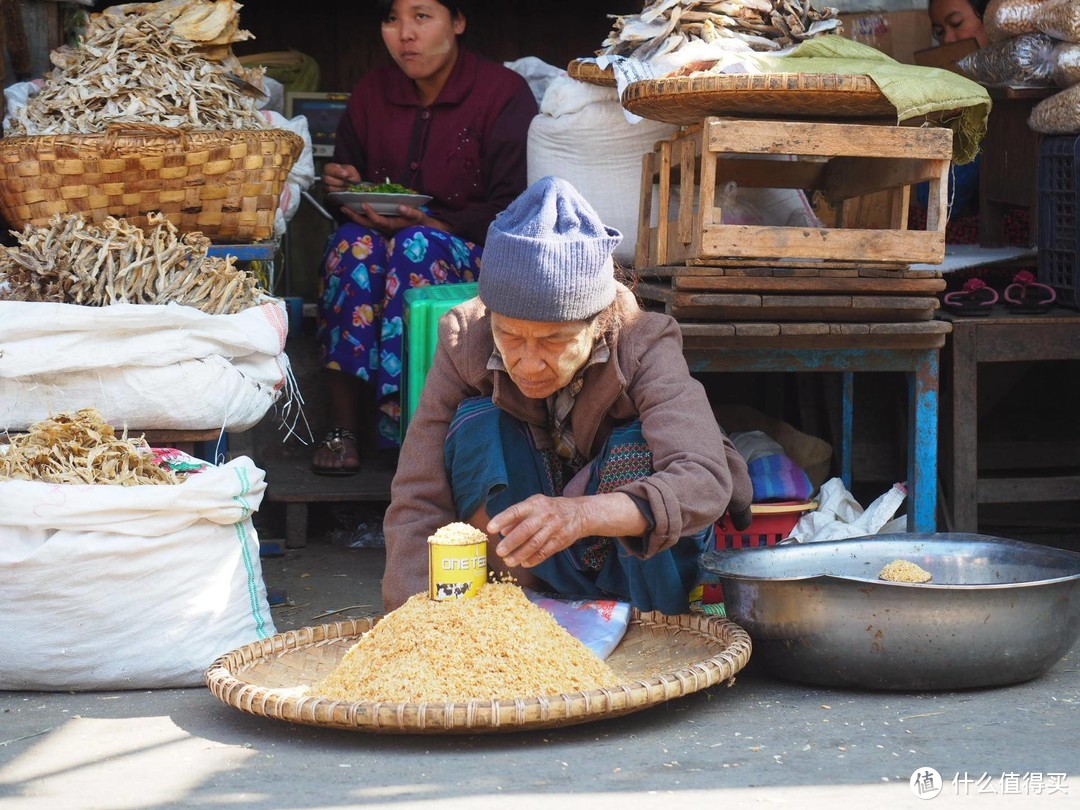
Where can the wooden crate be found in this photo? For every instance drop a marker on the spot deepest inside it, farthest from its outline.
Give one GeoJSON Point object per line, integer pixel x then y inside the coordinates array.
{"type": "Point", "coordinates": [846, 162]}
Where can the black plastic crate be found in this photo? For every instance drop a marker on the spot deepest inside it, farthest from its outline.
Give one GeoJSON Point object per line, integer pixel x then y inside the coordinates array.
{"type": "Point", "coordinates": [1059, 216]}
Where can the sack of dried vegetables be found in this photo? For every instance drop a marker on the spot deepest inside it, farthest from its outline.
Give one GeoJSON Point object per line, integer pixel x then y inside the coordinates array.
{"type": "Point", "coordinates": [161, 366]}
{"type": "Point", "coordinates": [124, 587]}
{"type": "Point", "coordinates": [1004, 19]}
{"type": "Point", "coordinates": [1026, 60]}
{"type": "Point", "coordinates": [1059, 114]}
{"type": "Point", "coordinates": [143, 326]}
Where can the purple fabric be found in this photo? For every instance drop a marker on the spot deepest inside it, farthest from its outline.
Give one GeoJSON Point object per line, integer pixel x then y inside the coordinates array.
{"type": "Point", "coordinates": [778, 478]}
{"type": "Point", "coordinates": [468, 149]}
{"type": "Point", "coordinates": [361, 303]}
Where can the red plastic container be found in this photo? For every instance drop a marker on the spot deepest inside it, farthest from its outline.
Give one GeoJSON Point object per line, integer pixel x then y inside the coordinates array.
{"type": "Point", "coordinates": [771, 523]}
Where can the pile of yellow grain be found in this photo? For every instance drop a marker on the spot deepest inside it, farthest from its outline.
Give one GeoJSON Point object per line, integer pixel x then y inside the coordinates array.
{"type": "Point", "coordinates": [904, 571]}
{"type": "Point", "coordinates": [457, 534]}
{"type": "Point", "coordinates": [497, 645]}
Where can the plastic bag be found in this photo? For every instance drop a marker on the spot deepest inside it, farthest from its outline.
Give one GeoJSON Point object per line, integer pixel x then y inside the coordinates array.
{"type": "Point", "coordinates": [599, 624]}
{"type": "Point", "coordinates": [1067, 64]}
{"type": "Point", "coordinates": [1060, 19]}
{"type": "Point", "coordinates": [1004, 19]}
{"type": "Point", "coordinates": [1024, 60]}
{"type": "Point", "coordinates": [1059, 114]}
{"type": "Point", "coordinates": [839, 516]}
{"type": "Point", "coordinates": [734, 211]}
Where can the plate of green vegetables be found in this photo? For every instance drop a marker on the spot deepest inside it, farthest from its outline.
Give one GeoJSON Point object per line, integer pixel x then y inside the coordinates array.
{"type": "Point", "coordinates": [384, 198]}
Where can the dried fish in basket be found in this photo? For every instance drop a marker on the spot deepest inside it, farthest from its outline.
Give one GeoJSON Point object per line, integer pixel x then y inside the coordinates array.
{"type": "Point", "coordinates": [763, 25]}
{"type": "Point", "coordinates": [75, 262]}
{"type": "Point", "coordinates": [137, 68]}
{"type": "Point", "coordinates": [81, 448]}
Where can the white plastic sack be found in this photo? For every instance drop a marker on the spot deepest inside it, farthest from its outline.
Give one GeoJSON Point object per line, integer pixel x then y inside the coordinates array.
{"type": "Point", "coordinates": [110, 587]}
{"type": "Point", "coordinates": [142, 366]}
{"type": "Point", "coordinates": [536, 72]}
{"type": "Point", "coordinates": [839, 516]}
{"type": "Point", "coordinates": [582, 136]}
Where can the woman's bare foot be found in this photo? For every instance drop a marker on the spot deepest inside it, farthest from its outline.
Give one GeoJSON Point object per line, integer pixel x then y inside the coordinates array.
{"type": "Point", "coordinates": [337, 454]}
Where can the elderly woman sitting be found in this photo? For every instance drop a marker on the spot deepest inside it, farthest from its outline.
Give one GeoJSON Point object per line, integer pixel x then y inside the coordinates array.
{"type": "Point", "coordinates": [567, 425]}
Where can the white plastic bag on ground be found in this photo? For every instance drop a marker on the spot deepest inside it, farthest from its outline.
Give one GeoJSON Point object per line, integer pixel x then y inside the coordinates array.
{"type": "Point", "coordinates": [839, 516]}
{"type": "Point", "coordinates": [111, 587]}
{"type": "Point", "coordinates": [142, 366]}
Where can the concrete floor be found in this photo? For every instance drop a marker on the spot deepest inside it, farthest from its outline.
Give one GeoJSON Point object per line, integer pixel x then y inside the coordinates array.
{"type": "Point", "coordinates": [761, 742]}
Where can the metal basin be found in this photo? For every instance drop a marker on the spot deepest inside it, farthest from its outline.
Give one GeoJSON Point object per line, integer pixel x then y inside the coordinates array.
{"type": "Point", "coordinates": [996, 612]}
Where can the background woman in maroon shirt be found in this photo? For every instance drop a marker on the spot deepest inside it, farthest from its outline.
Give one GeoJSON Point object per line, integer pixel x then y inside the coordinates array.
{"type": "Point", "coordinates": [445, 122]}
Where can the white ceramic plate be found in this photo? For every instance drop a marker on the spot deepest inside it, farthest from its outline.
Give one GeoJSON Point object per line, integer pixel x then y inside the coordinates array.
{"type": "Point", "coordinates": [385, 204]}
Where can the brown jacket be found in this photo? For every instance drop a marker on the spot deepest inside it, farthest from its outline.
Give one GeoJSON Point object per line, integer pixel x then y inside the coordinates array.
{"type": "Point", "coordinates": [698, 472]}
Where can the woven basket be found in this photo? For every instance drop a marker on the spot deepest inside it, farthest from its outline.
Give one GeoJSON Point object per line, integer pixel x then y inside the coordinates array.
{"type": "Point", "coordinates": [225, 183]}
{"type": "Point", "coordinates": [659, 658]}
{"type": "Point", "coordinates": [591, 72]}
{"type": "Point", "coordinates": [686, 100]}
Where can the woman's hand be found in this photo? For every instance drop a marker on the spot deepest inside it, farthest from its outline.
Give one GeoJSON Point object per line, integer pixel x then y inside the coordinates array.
{"type": "Point", "coordinates": [407, 217]}
{"type": "Point", "coordinates": [339, 176]}
{"type": "Point", "coordinates": [540, 526]}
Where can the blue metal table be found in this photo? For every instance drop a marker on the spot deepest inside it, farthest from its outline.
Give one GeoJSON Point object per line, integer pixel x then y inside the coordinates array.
{"type": "Point", "coordinates": [847, 348]}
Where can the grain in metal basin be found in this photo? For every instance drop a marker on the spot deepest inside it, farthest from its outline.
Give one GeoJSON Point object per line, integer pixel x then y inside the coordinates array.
{"type": "Point", "coordinates": [997, 611]}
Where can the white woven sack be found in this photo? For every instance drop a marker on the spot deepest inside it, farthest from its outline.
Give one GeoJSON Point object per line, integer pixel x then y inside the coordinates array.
{"type": "Point", "coordinates": [582, 136]}
{"type": "Point", "coordinates": [110, 587]}
{"type": "Point", "coordinates": [142, 366]}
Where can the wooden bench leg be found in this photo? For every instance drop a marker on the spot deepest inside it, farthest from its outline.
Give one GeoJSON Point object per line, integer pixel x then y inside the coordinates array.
{"type": "Point", "coordinates": [295, 525]}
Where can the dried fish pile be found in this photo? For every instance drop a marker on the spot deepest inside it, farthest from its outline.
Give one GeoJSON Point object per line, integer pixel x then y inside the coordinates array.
{"type": "Point", "coordinates": [765, 25]}
{"type": "Point", "coordinates": [136, 68]}
{"type": "Point", "coordinates": [80, 448]}
{"type": "Point", "coordinates": [74, 262]}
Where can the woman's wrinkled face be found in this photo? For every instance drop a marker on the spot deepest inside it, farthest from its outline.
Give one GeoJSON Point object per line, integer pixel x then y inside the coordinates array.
{"type": "Point", "coordinates": [542, 357]}
{"type": "Point", "coordinates": [422, 37]}
{"type": "Point", "coordinates": [954, 20]}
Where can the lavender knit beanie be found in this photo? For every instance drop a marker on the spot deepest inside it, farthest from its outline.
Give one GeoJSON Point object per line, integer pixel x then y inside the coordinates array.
{"type": "Point", "coordinates": [548, 257]}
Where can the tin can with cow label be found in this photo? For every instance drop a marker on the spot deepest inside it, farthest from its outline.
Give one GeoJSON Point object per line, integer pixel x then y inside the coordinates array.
{"type": "Point", "coordinates": [457, 562]}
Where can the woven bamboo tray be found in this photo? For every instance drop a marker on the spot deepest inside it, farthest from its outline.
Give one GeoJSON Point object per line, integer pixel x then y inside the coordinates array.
{"type": "Point", "coordinates": [591, 72]}
{"type": "Point", "coordinates": [225, 183]}
{"type": "Point", "coordinates": [686, 100]}
{"type": "Point", "coordinates": [660, 658]}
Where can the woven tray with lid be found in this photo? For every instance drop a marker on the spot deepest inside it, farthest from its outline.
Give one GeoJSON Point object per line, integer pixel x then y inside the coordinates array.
{"type": "Point", "coordinates": [686, 100]}
{"type": "Point", "coordinates": [225, 183]}
{"type": "Point", "coordinates": [660, 658]}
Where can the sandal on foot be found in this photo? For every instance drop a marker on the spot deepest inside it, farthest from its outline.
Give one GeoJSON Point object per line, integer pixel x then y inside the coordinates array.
{"type": "Point", "coordinates": [976, 298]}
{"type": "Point", "coordinates": [1027, 296]}
{"type": "Point", "coordinates": [334, 441]}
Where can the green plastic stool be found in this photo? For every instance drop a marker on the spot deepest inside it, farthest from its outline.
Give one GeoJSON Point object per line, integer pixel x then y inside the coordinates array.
{"type": "Point", "coordinates": [423, 308]}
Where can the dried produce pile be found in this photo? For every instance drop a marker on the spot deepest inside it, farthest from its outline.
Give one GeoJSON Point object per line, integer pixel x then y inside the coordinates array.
{"type": "Point", "coordinates": [904, 571]}
{"type": "Point", "coordinates": [497, 645]}
{"type": "Point", "coordinates": [74, 262]}
{"type": "Point", "coordinates": [148, 63]}
{"type": "Point", "coordinates": [80, 448]}
{"type": "Point", "coordinates": [764, 25]}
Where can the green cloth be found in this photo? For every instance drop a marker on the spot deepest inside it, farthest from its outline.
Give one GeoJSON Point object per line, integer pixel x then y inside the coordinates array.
{"type": "Point", "coordinates": [945, 98]}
